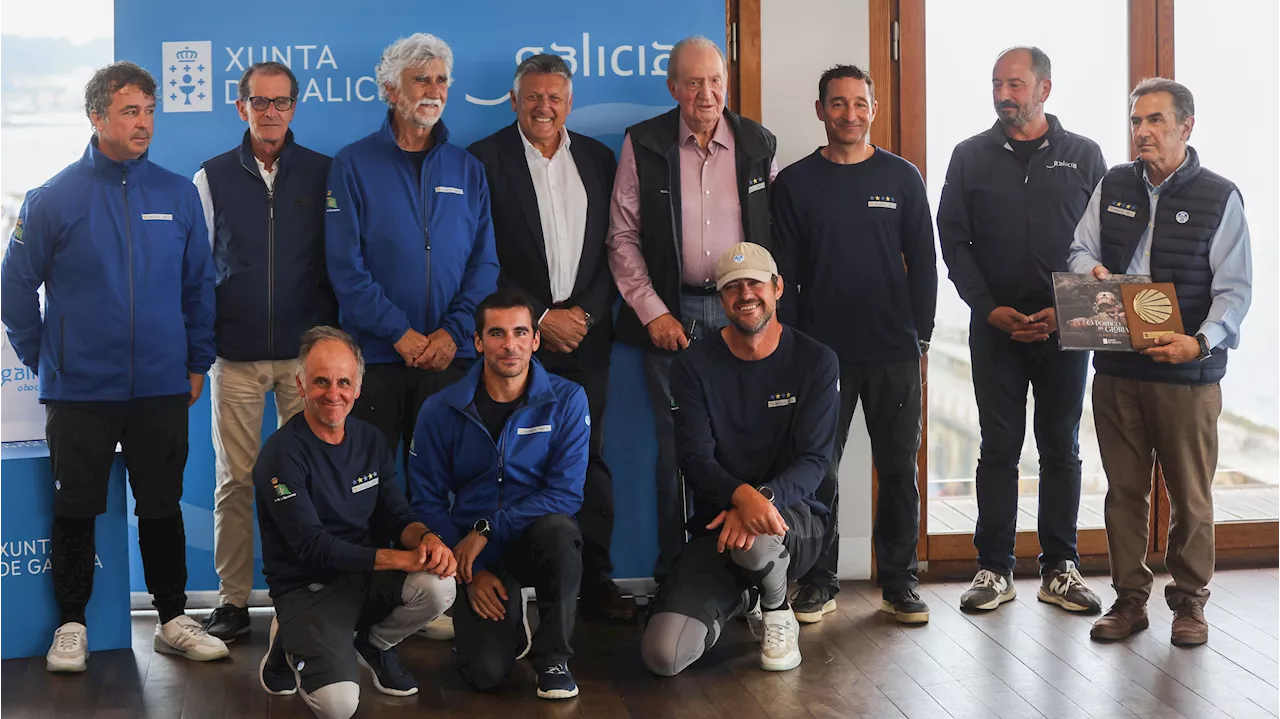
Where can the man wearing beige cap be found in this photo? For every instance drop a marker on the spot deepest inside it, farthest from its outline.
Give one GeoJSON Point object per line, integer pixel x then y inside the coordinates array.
{"type": "Point", "coordinates": [755, 408]}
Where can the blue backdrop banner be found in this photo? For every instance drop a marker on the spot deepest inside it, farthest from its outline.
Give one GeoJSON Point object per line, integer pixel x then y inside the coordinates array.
{"type": "Point", "coordinates": [619, 55]}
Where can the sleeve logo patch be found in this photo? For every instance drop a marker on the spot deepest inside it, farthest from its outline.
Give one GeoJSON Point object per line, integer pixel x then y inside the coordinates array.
{"type": "Point", "coordinates": [282, 490]}
{"type": "Point", "coordinates": [363, 482]}
{"type": "Point", "coordinates": [520, 431]}
{"type": "Point", "coordinates": [17, 232]}
{"type": "Point", "coordinates": [330, 202]}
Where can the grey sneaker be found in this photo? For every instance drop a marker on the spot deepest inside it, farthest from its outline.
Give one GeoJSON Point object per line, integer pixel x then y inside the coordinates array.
{"type": "Point", "coordinates": [70, 649]}
{"type": "Point", "coordinates": [811, 603]}
{"type": "Point", "coordinates": [988, 591]}
{"type": "Point", "coordinates": [1062, 585]}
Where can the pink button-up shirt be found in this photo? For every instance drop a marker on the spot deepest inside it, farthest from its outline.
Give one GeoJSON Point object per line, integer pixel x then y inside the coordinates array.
{"type": "Point", "coordinates": [710, 222]}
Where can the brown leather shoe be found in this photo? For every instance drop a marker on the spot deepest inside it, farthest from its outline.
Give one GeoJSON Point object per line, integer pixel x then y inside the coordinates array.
{"type": "Point", "coordinates": [1189, 627]}
{"type": "Point", "coordinates": [606, 602]}
{"type": "Point", "coordinates": [1124, 618]}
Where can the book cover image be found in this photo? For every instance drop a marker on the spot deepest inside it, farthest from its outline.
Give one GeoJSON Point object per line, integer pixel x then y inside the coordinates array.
{"type": "Point", "coordinates": [1091, 313]}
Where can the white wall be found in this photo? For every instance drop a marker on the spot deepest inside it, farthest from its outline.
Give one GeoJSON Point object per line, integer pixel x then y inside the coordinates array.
{"type": "Point", "coordinates": [798, 40]}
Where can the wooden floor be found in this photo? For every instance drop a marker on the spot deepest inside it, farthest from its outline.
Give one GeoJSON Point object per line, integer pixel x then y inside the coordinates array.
{"type": "Point", "coordinates": [1230, 504]}
{"type": "Point", "coordinates": [1025, 660]}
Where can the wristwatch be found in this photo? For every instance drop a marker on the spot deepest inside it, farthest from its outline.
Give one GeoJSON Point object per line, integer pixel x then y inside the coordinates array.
{"type": "Point", "coordinates": [482, 528]}
{"type": "Point", "coordinates": [924, 346]}
{"type": "Point", "coordinates": [1205, 350]}
{"type": "Point", "coordinates": [766, 491]}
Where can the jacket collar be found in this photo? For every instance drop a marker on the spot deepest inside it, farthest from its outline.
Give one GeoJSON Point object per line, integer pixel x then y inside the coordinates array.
{"type": "Point", "coordinates": [250, 162]}
{"type": "Point", "coordinates": [668, 137]}
{"type": "Point", "coordinates": [439, 133]}
{"type": "Point", "coordinates": [1185, 173]}
{"type": "Point", "coordinates": [1055, 133]}
{"type": "Point", "coordinates": [461, 394]}
{"type": "Point", "coordinates": [105, 167]}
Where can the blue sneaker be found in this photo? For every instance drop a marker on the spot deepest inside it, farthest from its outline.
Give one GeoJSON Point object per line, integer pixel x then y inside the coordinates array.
{"type": "Point", "coordinates": [389, 675]}
{"type": "Point", "coordinates": [556, 683]}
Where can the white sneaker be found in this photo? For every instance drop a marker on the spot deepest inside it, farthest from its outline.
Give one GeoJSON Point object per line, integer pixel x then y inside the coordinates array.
{"type": "Point", "coordinates": [70, 649]}
{"type": "Point", "coordinates": [780, 649]}
{"type": "Point", "coordinates": [439, 629]}
{"type": "Point", "coordinates": [184, 636]}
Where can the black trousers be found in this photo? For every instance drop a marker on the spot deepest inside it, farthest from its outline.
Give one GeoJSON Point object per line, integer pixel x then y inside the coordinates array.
{"type": "Point", "coordinates": [82, 437]}
{"type": "Point", "coordinates": [548, 558]}
{"type": "Point", "coordinates": [391, 395]}
{"type": "Point", "coordinates": [891, 401]}
{"type": "Point", "coordinates": [1002, 369]}
{"type": "Point", "coordinates": [596, 516]}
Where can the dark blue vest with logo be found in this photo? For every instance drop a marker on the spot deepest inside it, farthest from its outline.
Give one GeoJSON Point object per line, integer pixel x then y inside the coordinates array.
{"type": "Point", "coordinates": [268, 252]}
{"type": "Point", "coordinates": [1188, 213]}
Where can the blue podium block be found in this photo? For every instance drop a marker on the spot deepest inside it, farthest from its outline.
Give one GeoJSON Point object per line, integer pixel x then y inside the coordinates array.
{"type": "Point", "coordinates": [28, 612]}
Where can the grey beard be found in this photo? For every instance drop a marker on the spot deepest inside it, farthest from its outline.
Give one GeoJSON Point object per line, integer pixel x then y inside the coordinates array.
{"type": "Point", "coordinates": [750, 331]}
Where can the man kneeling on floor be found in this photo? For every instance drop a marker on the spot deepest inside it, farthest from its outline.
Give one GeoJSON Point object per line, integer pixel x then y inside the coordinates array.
{"type": "Point", "coordinates": [510, 443]}
{"type": "Point", "coordinates": [755, 416]}
{"type": "Point", "coordinates": [327, 499]}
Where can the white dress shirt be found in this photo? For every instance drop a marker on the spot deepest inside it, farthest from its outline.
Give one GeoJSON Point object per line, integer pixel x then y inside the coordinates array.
{"type": "Point", "coordinates": [562, 208]}
{"type": "Point", "coordinates": [206, 195]}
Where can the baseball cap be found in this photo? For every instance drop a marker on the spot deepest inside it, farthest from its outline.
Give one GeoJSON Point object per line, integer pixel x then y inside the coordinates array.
{"type": "Point", "coordinates": [745, 260]}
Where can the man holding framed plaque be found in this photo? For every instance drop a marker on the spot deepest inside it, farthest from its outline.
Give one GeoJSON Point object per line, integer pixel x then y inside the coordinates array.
{"type": "Point", "coordinates": [1166, 216]}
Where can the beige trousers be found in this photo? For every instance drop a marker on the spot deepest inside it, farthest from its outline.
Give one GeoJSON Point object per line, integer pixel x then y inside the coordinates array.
{"type": "Point", "coordinates": [1138, 422]}
{"type": "Point", "coordinates": [238, 395]}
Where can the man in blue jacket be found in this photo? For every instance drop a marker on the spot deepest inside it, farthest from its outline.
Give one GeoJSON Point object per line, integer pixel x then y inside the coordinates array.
{"type": "Point", "coordinates": [510, 444]}
{"type": "Point", "coordinates": [409, 244]}
{"type": "Point", "coordinates": [120, 246]}
{"type": "Point", "coordinates": [264, 205]}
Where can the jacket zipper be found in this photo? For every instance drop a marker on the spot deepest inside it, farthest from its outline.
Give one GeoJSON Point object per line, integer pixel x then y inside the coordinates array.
{"type": "Point", "coordinates": [62, 345]}
{"type": "Point", "coordinates": [426, 229]}
{"type": "Point", "coordinates": [271, 271]}
{"type": "Point", "coordinates": [500, 446]}
{"type": "Point", "coordinates": [128, 231]}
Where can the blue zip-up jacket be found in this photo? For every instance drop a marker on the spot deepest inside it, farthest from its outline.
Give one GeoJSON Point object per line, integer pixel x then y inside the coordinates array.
{"type": "Point", "coordinates": [123, 253]}
{"type": "Point", "coordinates": [407, 251]}
{"type": "Point", "coordinates": [537, 467]}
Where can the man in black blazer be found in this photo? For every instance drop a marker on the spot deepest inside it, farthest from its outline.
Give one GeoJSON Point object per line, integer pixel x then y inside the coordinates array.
{"type": "Point", "coordinates": [549, 192]}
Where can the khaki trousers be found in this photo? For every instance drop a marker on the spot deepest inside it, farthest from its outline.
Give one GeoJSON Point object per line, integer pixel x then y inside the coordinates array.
{"type": "Point", "coordinates": [1138, 422]}
{"type": "Point", "coordinates": [238, 395]}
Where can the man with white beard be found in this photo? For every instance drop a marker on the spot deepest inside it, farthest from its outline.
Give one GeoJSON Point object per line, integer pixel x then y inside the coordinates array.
{"type": "Point", "coordinates": [408, 241]}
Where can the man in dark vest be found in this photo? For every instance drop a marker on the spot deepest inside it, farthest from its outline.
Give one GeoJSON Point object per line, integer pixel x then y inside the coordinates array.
{"type": "Point", "coordinates": [1164, 215]}
{"type": "Point", "coordinates": [691, 183]}
{"type": "Point", "coordinates": [264, 206]}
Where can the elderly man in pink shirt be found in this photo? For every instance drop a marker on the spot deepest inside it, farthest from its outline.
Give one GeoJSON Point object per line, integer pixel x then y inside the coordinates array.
{"type": "Point", "coordinates": [691, 183]}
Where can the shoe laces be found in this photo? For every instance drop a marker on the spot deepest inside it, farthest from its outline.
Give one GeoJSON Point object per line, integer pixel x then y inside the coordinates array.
{"type": "Point", "coordinates": [68, 641]}
{"type": "Point", "coordinates": [559, 669]}
{"type": "Point", "coordinates": [986, 578]}
{"type": "Point", "coordinates": [190, 628]}
{"type": "Point", "coordinates": [1064, 582]}
{"type": "Point", "coordinates": [905, 596]}
{"type": "Point", "coordinates": [776, 634]}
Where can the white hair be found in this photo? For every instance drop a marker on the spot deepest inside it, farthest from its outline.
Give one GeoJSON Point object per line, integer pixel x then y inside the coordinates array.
{"type": "Point", "coordinates": [414, 51]}
{"type": "Point", "coordinates": [696, 41]}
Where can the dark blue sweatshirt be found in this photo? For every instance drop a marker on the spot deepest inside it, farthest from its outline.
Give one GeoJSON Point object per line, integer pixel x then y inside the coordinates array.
{"type": "Point", "coordinates": [770, 421]}
{"type": "Point", "coordinates": [855, 244]}
{"type": "Point", "coordinates": [324, 508]}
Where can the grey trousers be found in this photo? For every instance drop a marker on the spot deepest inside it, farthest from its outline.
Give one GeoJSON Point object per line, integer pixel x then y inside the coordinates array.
{"type": "Point", "coordinates": [706, 588]}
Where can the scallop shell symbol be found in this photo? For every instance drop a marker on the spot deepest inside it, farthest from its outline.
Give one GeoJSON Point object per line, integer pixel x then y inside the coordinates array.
{"type": "Point", "coordinates": [1152, 306]}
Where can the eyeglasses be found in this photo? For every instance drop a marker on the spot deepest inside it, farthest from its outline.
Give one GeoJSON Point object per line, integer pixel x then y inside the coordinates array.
{"type": "Point", "coordinates": [282, 103]}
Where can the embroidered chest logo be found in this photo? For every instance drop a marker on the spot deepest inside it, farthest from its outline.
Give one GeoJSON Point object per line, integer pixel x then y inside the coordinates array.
{"type": "Point", "coordinates": [1182, 217]}
{"type": "Point", "coordinates": [363, 482]}
{"type": "Point", "coordinates": [1060, 163]}
{"type": "Point", "coordinates": [883, 201]}
{"type": "Point", "coordinates": [1120, 208]}
{"type": "Point", "coordinates": [781, 399]}
{"type": "Point", "coordinates": [281, 490]}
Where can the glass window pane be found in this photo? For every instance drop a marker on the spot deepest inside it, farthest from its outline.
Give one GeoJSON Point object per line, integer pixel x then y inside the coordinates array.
{"type": "Point", "coordinates": [1088, 47]}
{"type": "Point", "coordinates": [1224, 52]}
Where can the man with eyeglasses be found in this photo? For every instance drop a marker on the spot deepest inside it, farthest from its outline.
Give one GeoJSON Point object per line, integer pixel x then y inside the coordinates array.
{"type": "Point", "coordinates": [264, 203]}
